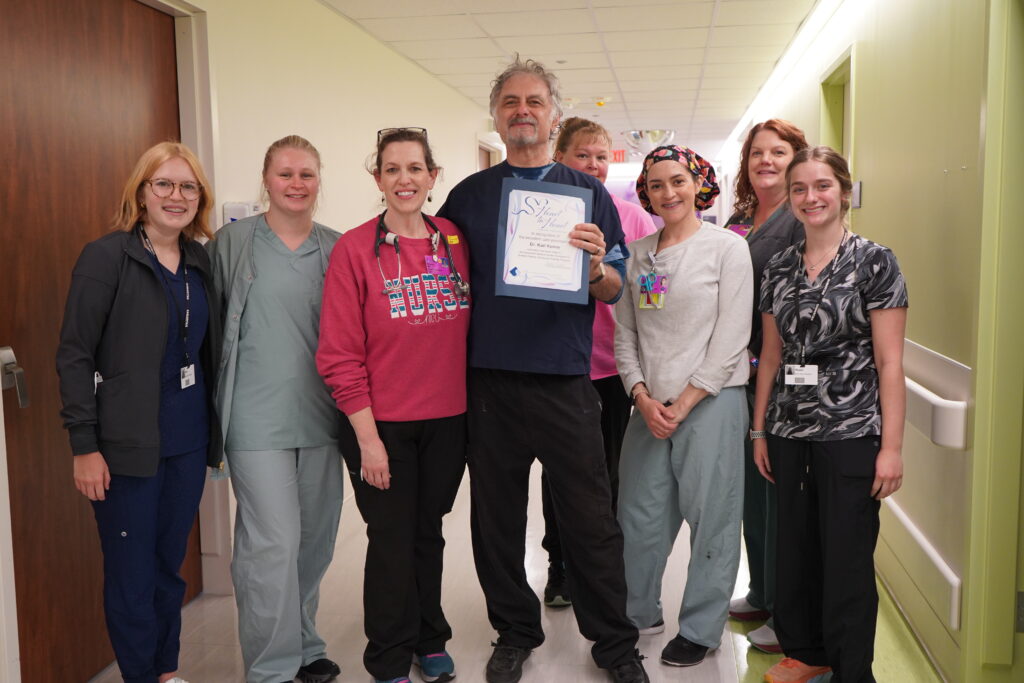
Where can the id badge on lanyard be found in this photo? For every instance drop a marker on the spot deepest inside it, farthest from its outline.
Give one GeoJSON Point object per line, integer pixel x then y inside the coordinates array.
{"type": "Point", "coordinates": [801, 374]}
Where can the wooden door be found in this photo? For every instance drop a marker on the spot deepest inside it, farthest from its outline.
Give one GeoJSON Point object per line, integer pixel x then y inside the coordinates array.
{"type": "Point", "coordinates": [85, 87]}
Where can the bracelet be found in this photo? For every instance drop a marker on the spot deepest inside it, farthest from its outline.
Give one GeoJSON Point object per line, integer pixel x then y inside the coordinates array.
{"type": "Point", "coordinates": [599, 277]}
{"type": "Point", "coordinates": [755, 362]}
{"type": "Point", "coordinates": [758, 434]}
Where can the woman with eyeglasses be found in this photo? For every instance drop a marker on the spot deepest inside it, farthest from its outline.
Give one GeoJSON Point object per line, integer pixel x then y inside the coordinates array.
{"type": "Point", "coordinates": [136, 366]}
{"type": "Point", "coordinates": [280, 424]}
{"type": "Point", "coordinates": [393, 351]}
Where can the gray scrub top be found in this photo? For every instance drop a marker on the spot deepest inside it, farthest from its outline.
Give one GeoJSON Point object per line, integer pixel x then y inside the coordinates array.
{"type": "Point", "coordinates": [280, 399]}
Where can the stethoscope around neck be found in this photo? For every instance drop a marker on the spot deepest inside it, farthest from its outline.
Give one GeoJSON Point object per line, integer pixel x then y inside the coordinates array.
{"type": "Point", "coordinates": [385, 236]}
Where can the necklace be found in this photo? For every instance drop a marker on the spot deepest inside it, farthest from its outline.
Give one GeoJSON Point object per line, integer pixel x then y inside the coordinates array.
{"type": "Point", "coordinates": [814, 266]}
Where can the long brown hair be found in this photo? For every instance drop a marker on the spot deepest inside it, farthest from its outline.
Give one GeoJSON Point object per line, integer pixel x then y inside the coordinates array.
{"type": "Point", "coordinates": [132, 210]}
{"type": "Point", "coordinates": [746, 200]}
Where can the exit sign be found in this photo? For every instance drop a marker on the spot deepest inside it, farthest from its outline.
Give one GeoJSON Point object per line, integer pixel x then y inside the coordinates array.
{"type": "Point", "coordinates": [618, 156]}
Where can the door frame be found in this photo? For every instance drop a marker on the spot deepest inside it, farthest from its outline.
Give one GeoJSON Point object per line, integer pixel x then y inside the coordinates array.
{"type": "Point", "coordinates": [198, 131]}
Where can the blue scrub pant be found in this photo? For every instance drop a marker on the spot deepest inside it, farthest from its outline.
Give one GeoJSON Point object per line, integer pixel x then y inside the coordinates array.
{"type": "Point", "coordinates": [144, 525]}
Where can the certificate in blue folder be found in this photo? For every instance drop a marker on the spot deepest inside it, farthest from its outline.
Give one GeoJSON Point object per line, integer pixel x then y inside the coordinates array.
{"type": "Point", "coordinates": [534, 257]}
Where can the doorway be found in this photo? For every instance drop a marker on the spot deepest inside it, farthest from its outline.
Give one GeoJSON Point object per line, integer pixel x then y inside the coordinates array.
{"type": "Point", "coordinates": [86, 87]}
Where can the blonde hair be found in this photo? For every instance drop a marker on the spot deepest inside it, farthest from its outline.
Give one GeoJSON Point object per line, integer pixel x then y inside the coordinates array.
{"type": "Point", "coordinates": [132, 210]}
{"type": "Point", "coordinates": [577, 129]}
{"type": "Point", "coordinates": [287, 142]}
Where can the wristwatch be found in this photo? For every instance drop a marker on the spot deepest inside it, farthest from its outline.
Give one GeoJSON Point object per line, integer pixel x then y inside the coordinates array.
{"type": "Point", "coordinates": [599, 277]}
{"type": "Point", "coordinates": [758, 434]}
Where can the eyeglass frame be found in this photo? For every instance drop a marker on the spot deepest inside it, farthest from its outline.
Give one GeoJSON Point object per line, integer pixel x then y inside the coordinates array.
{"type": "Point", "coordinates": [388, 131]}
{"type": "Point", "coordinates": [175, 186]}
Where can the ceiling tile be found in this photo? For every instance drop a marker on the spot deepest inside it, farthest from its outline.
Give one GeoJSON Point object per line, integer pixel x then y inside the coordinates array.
{"type": "Point", "coordinates": [416, 28]}
{"type": "Point", "coordinates": [365, 9]}
{"type": "Point", "coordinates": [667, 57]}
{"type": "Point", "coordinates": [679, 38]}
{"type": "Point", "coordinates": [642, 17]}
{"type": "Point", "coordinates": [488, 6]}
{"type": "Point", "coordinates": [448, 49]}
{"type": "Point", "coordinates": [745, 53]}
{"type": "Point", "coordinates": [744, 36]}
{"type": "Point", "coordinates": [746, 12]}
{"type": "Point", "coordinates": [565, 61]}
{"type": "Point", "coordinates": [529, 45]}
{"type": "Point", "coordinates": [487, 66]}
{"type": "Point", "coordinates": [758, 71]}
{"type": "Point", "coordinates": [554, 22]}
{"type": "Point", "coordinates": [659, 84]}
{"type": "Point", "coordinates": [732, 82]}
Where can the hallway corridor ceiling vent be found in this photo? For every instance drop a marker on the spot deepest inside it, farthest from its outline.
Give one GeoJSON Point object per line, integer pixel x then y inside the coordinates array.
{"type": "Point", "coordinates": [688, 65]}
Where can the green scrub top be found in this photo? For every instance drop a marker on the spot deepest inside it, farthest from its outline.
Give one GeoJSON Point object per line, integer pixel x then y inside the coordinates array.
{"type": "Point", "coordinates": [281, 401]}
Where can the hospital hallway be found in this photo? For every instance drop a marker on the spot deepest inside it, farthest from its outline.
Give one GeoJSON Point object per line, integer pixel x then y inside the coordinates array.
{"type": "Point", "coordinates": [209, 634]}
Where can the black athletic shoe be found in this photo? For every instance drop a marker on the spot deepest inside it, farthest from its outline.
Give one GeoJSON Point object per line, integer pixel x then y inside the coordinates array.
{"type": "Point", "coordinates": [320, 671]}
{"type": "Point", "coordinates": [506, 663]}
{"type": "Point", "coordinates": [556, 592]}
{"type": "Point", "coordinates": [682, 652]}
{"type": "Point", "coordinates": [630, 672]}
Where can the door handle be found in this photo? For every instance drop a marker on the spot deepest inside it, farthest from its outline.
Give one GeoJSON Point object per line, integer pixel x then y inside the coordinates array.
{"type": "Point", "coordinates": [13, 375]}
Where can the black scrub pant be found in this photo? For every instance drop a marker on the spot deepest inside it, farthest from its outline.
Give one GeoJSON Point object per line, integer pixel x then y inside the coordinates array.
{"type": "Point", "coordinates": [517, 417]}
{"type": "Point", "coordinates": [615, 408]}
{"type": "Point", "coordinates": [826, 602]}
{"type": "Point", "coordinates": [405, 547]}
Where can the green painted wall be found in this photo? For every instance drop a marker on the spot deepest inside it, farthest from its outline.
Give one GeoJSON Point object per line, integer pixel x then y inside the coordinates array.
{"type": "Point", "coordinates": [935, 108]}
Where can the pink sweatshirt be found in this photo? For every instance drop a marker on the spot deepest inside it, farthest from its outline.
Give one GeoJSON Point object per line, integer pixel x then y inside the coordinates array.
{"type": "Point", "coordinates": [403, 353]}
{"type": "Point", "coordinates": [636, 223]}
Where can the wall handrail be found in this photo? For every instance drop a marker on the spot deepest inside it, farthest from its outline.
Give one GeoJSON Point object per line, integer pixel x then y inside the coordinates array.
{"type": "Point", "coordinates": [942, 420]}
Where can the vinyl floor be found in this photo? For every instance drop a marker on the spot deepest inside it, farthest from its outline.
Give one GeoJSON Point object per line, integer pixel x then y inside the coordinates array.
{"type": "Point", "coordinates": [210, 653]}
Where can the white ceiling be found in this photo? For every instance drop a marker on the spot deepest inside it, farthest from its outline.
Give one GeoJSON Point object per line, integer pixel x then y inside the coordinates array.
{"type": "Point", "coordinates": [688, 65]}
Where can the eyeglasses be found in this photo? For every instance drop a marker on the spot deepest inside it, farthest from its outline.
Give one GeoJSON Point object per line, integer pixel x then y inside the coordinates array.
{"type": "Point", "coordinates": [164, 188]}
{"type": "Point", "coordinates": [385, 132]}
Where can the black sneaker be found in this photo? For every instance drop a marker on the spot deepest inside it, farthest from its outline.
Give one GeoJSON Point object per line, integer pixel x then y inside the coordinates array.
{"type": "Point", "coordinates": [506, 663]}
{"type": "Point", "coordinates": [630, 672]}
{"type": "Point", "coordinates": [682, 652]}
{"type": "Point", "coordinates": [320, 671]}
{"type": "Point", "coordinates": [556, 592]}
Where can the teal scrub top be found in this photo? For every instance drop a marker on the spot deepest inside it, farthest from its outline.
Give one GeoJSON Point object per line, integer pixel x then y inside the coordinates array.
{"type": "Point", "coordinates": [281, 402]}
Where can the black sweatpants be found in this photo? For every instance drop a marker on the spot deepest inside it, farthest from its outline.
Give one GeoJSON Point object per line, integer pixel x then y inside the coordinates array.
{"type": "Point", "coordinates": [615, 408]}
{"type": "Point", "coordinates": [826, 602]}
{"type": "Point", "coordinates": [515, 417]}
{"type": "Point", "coordinates": [405, 549]}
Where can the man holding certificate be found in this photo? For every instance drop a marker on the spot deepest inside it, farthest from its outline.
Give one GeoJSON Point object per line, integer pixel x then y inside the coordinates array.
{"type": "Point", "coordinates": [545, 243]}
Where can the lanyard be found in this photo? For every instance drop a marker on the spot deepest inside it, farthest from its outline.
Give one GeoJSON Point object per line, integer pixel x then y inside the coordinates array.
{"type": "Point", "coordinates": [803, 326]}
{"type": "Point", "coordinates": [183, 320]}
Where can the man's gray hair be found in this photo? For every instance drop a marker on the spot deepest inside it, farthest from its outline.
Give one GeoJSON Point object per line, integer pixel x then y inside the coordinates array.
{"type": "Point", "coordinates": [532, 68]}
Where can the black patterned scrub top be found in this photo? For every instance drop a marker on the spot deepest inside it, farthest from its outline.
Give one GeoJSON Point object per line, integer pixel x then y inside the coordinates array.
{"type": "Point", "coordinates": [863, 276]}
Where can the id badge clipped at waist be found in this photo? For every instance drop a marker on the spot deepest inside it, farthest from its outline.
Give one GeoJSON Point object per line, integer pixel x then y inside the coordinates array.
{"type": "Point", "coordinates": [801, 374]}
{"type": "Point", "coordinates": [188, 376]}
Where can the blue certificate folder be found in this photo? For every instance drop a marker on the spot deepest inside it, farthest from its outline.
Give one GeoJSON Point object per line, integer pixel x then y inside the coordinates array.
{"type": "Point", "coordinates": [578, 295]}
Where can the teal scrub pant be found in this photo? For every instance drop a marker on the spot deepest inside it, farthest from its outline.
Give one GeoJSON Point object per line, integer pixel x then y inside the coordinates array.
{"type": "Point", "coordinates": [695, 475]}
{"type": "Point", "coordinates": [758, 528]}
{"type": "Point", "coordinates": [289, 505]}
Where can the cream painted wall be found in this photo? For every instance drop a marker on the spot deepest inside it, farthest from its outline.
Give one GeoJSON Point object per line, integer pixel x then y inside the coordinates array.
{"type": "Point", "coordinates": [295, 66]}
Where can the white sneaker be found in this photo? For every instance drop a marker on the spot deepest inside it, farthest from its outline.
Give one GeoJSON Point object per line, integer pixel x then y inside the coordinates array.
{"type": "Point", "coordinates": [743, 611]}
{"type": "Point", "coordinates": [176, 679]}
{"type": "Point", "coordinates": [764, 639]}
